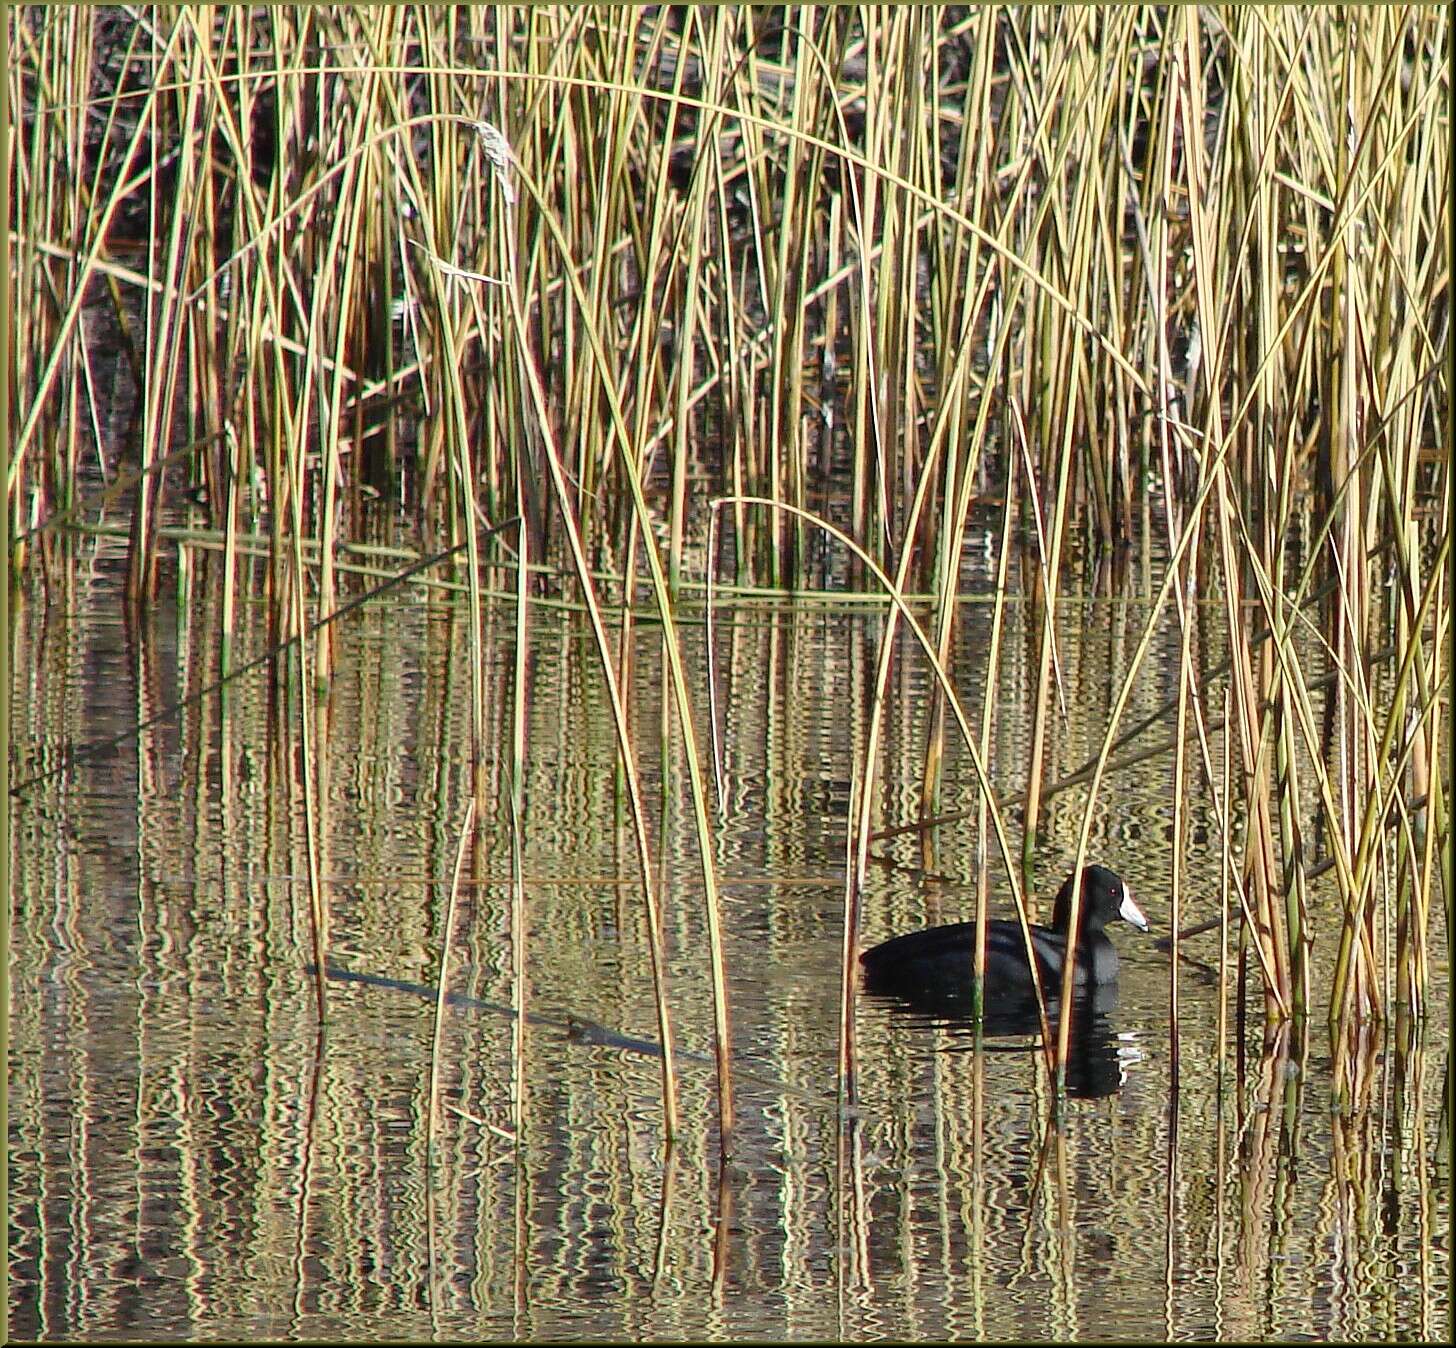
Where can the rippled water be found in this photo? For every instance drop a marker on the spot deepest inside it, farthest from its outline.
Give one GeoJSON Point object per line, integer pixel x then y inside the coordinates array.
{"type": "Point", "coordinates": [190, 1158]}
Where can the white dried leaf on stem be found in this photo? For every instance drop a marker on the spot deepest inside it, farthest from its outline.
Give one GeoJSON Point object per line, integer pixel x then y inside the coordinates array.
{"type": "Point", "coordinates": [498, 151]}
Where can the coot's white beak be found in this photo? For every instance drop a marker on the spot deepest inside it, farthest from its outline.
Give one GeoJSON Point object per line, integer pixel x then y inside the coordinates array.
{"type": "Point", "coordinates": [1130, 912]}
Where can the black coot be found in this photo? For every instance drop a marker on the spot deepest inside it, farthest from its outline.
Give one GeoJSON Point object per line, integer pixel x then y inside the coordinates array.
{"type": "Point", "coordinates": [921, 962]}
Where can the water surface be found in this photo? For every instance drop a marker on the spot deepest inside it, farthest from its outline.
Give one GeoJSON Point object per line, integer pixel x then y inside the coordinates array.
{"type": "Point", "coordinates": [191, 1158]}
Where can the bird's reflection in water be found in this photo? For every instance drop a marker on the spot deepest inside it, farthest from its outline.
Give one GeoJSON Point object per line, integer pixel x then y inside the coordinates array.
{"type": "Point", "coordinates": [1096, 1054]}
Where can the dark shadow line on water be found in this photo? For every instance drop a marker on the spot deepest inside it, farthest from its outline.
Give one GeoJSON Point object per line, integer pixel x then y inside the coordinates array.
{"type": "Point", "coordinates": [71, 756]}
{"type": "Point", "coordinates": [579, 1030]}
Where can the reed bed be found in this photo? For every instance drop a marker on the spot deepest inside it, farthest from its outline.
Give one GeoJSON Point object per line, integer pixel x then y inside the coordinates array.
{"type": "Point", "coordinates": [1168, 280]}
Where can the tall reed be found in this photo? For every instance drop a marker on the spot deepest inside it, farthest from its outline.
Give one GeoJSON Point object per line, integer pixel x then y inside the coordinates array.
{"type": "Point", "coordinates": [1172, 278]}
